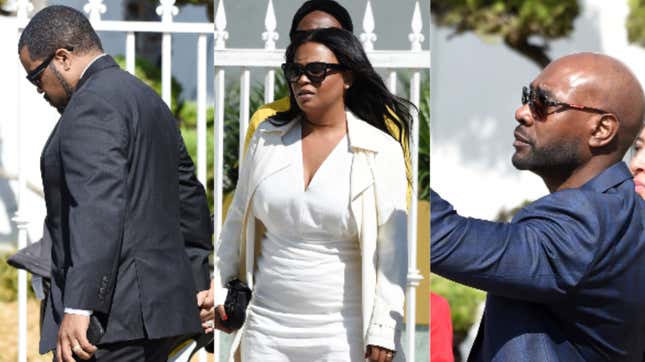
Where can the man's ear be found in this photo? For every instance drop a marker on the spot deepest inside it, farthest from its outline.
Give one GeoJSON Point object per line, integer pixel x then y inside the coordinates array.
{"type": "Point", "coordinates": [604, 130]}
{"type": "Point", "coordinates": [64, 57]}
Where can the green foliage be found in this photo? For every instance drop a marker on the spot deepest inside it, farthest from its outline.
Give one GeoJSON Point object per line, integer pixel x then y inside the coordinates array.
{"type": "Point", "coordinates": [151, 75]}
{"type": "Point", "coordinates": [515, 21]}
{"type": "Point", "coordinates": [463, 301]}
{"type": "Point", "coordinates": [636, 22]}
{"type": "Point", "coordinates": [9, 281]}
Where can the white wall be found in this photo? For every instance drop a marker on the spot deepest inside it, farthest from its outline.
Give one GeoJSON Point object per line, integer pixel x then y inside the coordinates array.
{"type": "Point", "coordinates": [475, 89]}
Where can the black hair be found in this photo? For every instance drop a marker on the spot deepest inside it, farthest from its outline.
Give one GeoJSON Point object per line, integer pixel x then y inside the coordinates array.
{"type": "Point", "coordinates": [368, 97]}
{"type": "Point", "coordinates": [56, 27]}
{"type": "Point", "coordinates": [330, 7]}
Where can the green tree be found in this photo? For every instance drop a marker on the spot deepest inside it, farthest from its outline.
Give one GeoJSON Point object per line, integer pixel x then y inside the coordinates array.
{"type": "Point", "coordinates": [516, 22]}
{"type": "Point", "coordinates": [636, 22]}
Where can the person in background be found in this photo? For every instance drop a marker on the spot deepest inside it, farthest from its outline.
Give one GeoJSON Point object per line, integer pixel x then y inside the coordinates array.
{"type": "Point", "coordinates": [637, 164]}
{"type": "Point", "coordinates": [440, 330]}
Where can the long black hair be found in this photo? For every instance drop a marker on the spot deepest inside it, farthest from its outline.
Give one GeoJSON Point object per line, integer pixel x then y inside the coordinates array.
{"type": "Point", "coordinates": [368, 97]}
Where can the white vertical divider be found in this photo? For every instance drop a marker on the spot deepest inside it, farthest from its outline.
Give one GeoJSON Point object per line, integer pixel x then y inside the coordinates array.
{"type": "Point", "coordinates": [414, 276]}
{"type": "Point", "coordinates": [166, 10]}
{"type": "Point", "coordinates": [218, 139]}
{"type": "Point", "coordinates": [270, 36]}
{"type": "Point", "coordinates": [245, 105]}
{"type": "Point", "coordinates": [391, 81]}
{"type": "Point", "coordinates": [22, 10]}
{"type": "Point", "coordinates": [368, 37]}
{"type": "Point", "coordinates": [130, 52]}
{"type": "Point", "coordinates": [220, 35]}
{"type": "Point", "coordinates": [201, 108]}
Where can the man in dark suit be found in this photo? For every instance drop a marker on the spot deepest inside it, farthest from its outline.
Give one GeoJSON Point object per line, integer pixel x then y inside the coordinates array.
{"type": "Point", "coordinates": [125, 212]}
{"type": "Point", "coordinates": [566, 278]}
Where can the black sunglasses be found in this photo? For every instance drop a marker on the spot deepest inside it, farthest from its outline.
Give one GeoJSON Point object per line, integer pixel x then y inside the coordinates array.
{"type": "Point", "coordinates": [538, 101]}
{"type": "Point", "coordinates": [316, 71]}
{"type": "Point", "coordinates": [34, 75]}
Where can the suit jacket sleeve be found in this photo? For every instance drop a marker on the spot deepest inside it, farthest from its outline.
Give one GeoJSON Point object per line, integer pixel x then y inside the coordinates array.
{"type": "Point", "coordinates": [539, 257]}
{"type": "Point", "coordinates": [387, 316]}
{"type": "Point", "coordinates": [195, 220]}
{"type": "Point", "coordinates": [94, 153]}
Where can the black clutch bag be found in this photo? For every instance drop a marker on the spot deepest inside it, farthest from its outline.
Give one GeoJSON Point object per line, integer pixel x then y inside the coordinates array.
{"type": "Point", "coordinates": [237, 299]}
{"type": "Point", "coordinates": [95, 330]}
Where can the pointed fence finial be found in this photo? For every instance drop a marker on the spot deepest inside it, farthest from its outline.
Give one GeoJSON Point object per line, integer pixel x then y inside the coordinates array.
{"type": "Point", "coordinates": [94, 9]}
{"type": "Point", "coordinates": [23, 8]}
{"type": "Point", "coordinates": [167, 10]}
{"type": "Point", "coordinates": [368, 37]}
{"type": "Point", "coordinates": [270, 35]}
{"type": "Point", "coordinates": [416, 36]}
{"type": "Point", "coordinates": [220, 34]}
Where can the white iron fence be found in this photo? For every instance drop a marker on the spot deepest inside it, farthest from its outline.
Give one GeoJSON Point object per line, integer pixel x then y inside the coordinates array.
{"type": "Point", "coordinates": [266, 60]}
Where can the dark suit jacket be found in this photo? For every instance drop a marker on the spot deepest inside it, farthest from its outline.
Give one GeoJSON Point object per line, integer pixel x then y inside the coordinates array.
{"type": "Point", "coordinates": [565, 279]}
{"type": "Point", "coordinates": [123, 206]}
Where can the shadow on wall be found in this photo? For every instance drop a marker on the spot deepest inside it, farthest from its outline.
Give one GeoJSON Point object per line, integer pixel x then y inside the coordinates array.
{"type": "Point", "coordinates": [476, 87]}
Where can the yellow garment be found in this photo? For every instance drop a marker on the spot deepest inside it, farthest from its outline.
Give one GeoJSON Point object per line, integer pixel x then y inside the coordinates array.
{"type": "Point", "coordinates": [283, 104]}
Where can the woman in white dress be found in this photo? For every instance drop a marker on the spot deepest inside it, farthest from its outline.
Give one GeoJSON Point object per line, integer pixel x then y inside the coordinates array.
{"type": "Point", "coordinates": [317, 227]}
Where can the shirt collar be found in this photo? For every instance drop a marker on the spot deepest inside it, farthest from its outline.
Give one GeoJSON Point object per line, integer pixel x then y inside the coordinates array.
{"type": "Point", "coordinates": [90, 64]}
{"type": "Point", "coordinates": [610, 177]}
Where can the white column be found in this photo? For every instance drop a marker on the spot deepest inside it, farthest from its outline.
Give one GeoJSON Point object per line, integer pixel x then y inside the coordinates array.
{"type": "Point", "coordinates": [220, 35]}
{"type": "Point", "coordinates": [130, 52]}
{"type": "Point", "coordinates": [269, 36]}
{"type": "Point", "coordinates": [19, 217]}
{"type": "Point", "coordinates": [245, 104]}
{"type": "Point", "coordinates": [413, 277]}
{"type": "Point", "coordinates": [269, 86]}
{"type": "Point", "coordinates": [218, 143]}
{"type": "Point", "coordinates": [166, 10]}
{"type": "Point", "coordinates": [391, 81]}
{"type": "Point", "coordinates": [201, 109]}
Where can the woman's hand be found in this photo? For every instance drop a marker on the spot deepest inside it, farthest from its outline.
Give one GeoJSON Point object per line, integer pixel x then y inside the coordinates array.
{"type": "Point", "coordinates": [379, 354]}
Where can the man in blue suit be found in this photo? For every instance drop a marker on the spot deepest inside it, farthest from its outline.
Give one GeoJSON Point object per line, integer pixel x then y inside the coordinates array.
{"type": "Point", "coordinates": [566, 278]}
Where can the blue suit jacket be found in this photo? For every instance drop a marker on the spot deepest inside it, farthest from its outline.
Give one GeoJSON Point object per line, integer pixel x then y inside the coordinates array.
{"type": "Point", "coordinates": [565, 279]}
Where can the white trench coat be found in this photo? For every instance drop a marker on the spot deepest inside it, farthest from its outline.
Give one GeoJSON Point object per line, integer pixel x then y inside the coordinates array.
{"type": "Point", "coordinates": [378, 205]}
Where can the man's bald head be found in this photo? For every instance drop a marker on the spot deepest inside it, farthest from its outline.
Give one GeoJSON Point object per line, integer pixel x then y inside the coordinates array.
{"type": "Point", "coordinates": [604, 82]}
